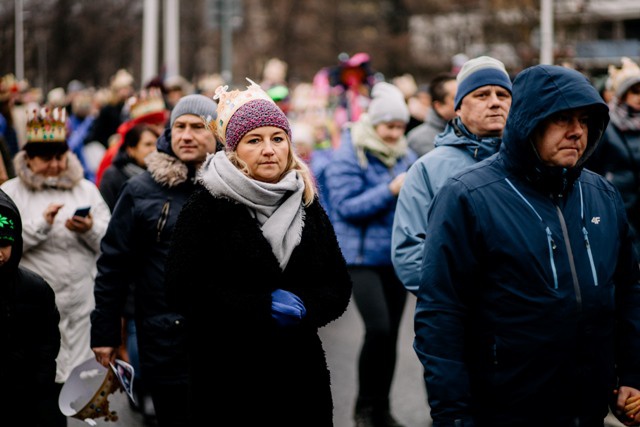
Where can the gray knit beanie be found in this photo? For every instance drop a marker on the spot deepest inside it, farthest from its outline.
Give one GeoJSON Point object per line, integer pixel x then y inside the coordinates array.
{"type": "Point", "coordinates": [387, 104]}
{"type": "Point", "coordinates": [198, 105]}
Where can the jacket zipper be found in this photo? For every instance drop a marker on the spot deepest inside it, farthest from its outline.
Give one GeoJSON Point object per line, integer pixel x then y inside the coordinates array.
{"type": "Point", "coordinates": [162, 221]}
{"type": "Point", "coordinates": [551, 244]}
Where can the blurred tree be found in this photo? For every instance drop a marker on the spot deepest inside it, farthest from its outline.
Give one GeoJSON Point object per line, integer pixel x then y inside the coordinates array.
{"type": "Point", "coordinates": [89, 40]}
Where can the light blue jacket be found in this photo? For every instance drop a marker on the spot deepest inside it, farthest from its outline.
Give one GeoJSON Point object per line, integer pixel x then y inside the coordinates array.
{"type": "Point", "coordinates": [456, 148]}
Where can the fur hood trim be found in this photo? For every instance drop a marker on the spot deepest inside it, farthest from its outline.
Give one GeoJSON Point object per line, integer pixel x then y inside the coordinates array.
{"type": "Point", "coordinates": [37, 182]}
{"type": "Point", "coordinates": [167, 170]}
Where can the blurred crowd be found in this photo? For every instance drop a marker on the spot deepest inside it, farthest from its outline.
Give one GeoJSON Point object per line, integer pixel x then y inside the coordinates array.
{"type": "Point", "coordinates": [369, 142]}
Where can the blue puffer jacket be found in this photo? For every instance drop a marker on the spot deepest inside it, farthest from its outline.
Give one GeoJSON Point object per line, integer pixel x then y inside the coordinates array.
{"type": "Point", "coordinates": [527, 311]}
{"type": "Point", "coordinates": [362, 206]}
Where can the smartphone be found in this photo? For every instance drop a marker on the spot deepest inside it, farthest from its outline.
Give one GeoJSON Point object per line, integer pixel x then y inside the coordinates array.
{"type": "Point", "coordinates": [82, 211]}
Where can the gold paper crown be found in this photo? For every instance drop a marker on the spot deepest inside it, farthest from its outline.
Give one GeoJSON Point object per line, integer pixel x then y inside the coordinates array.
{"type": "Point", "coordinates": [229, 102]}
{"type": "Point", "coordinates": [148, 102]}
{"type": "Point", "coordinates": [45, 125]}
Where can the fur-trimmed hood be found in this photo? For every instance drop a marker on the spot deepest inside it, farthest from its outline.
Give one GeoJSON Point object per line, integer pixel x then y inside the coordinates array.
{"type": "Point", "coordinates": [166, 169]}
{"type": "Point", "coordinates": [37, 182]}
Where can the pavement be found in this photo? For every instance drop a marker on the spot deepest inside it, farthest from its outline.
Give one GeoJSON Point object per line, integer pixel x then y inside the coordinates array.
{"type": "Point", "coordinates": [342, 339]}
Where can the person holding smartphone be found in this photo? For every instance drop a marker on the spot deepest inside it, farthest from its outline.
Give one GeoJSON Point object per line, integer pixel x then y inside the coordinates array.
{"type": "Point", "coordinates": [60, 246]}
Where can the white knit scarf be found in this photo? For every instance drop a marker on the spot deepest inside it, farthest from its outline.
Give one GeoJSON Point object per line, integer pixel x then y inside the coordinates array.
{"type": "Point", "coordinates": [277, 207]}
{"type": "Point", "coordinates": [365, 139]}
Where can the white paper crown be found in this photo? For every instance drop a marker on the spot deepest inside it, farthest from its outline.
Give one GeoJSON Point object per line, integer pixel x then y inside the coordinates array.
{"type": "Point", "coordinates": [229, 102]}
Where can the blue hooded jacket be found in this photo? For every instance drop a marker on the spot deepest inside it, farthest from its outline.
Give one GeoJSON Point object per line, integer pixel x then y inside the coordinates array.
{"type": "Point", "coordinates": [527, 310]}
{"type": "Point", "coordinates": [456, 148]}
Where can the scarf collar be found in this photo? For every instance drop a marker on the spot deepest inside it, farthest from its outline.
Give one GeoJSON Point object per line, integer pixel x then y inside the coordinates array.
{"type": "Point", "coordinates": [365, 139]}
{"type": "Point", "coordinates": [68, 179]}
{"type": "Point", "coordinates": [276, 206]}
{"type": "Point", "coordinates": [624, 117]}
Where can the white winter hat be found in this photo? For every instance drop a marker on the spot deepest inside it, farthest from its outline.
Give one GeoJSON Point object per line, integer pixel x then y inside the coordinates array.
{"type": "Point", "coordinates": [387, 104]}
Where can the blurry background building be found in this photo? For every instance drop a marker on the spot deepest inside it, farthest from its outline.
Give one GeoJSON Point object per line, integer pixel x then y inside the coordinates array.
{"type": "Point", "coordinates": [89, 41]}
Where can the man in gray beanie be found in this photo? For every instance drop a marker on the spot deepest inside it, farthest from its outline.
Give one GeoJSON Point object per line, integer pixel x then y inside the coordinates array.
{"type": "Point", "coordinates": [482, 103]}
{"type": "Point", "coordinates": [196, 104]}
{"type": "Point", "coordinates": [134, 252]}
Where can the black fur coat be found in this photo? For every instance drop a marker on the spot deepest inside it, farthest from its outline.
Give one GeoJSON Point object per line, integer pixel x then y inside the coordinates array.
{"type": "Point", "coordinates": [220, 275]}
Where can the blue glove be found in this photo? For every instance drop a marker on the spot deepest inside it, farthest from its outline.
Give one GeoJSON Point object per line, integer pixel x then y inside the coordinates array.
{"type": "Point", "coordinates": [286, 308]}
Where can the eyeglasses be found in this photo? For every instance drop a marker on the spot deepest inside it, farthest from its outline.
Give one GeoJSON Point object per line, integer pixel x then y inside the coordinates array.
{"type": "Point", "coordinates": [49, 157]}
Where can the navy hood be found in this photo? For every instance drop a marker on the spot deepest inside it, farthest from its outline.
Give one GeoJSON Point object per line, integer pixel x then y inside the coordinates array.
{"type": "Point", "coordinates": [539, 92]}
{"type": "Point", "coordinates": [163, 144]}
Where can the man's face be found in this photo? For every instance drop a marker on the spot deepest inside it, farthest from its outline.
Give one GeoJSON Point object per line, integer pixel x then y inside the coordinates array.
{"type": "Point", "coordinates": [446, 109]}
{"type": "Point", "coordinates": [191, 139]}
{"type": "Point", "coordinates": [562, 138]}
{"type": "Point", "coordinates": [484, 111]}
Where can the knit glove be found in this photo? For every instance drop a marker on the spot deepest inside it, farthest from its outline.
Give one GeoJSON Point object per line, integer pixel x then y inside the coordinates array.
{"type": "Point", "coordinates": [286, 308]}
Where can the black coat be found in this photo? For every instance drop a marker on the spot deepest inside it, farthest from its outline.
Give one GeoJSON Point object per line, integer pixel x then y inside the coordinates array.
{"type": "Point", "coordinates": [134, 252]}
{"type": "Point", "coordinates": [29, 334]}
{"type": "Point", "coordinates": [220, 275]}
{"type": "Point", "coordinates": [119, 171]}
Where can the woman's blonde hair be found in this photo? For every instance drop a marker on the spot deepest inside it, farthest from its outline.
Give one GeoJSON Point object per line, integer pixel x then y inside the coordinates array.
{"type": "Point", "coordinates": [294, 162]}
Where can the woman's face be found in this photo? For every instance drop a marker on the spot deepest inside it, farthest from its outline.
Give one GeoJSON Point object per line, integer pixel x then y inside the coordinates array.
{"type": "Point", "coordinates": [48, 166]}
{"type": "Point", "coordinates": [632, 97]}
{"type": "Point", "coordinates": [265, 150]}
{"type": "Point", "coordinates": [146, 145]}
{"type": "Point", "coordinates": [391, 132]}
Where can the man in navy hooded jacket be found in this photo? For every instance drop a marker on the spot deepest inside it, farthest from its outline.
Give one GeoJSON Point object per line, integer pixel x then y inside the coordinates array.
{"type": "Point", "coordinates": [528, 310]}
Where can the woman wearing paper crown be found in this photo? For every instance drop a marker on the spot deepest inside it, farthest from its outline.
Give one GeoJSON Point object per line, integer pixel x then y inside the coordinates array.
{"type": "Point", "coordinates": [28, 330]}
{"type": "Point", "coordinates": [257, 216]}
{"type": "Point", "coordinates": [59, 245]}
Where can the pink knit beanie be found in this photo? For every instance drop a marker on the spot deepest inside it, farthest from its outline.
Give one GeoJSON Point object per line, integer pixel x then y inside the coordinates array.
{"type": "Point", "coordinates": [240, 112]}
{"type": "Point", "coordinates": [252, 115]}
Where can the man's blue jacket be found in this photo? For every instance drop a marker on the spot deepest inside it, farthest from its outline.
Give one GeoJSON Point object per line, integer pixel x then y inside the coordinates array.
{"type": "Point", "coordinates": [528, 310]}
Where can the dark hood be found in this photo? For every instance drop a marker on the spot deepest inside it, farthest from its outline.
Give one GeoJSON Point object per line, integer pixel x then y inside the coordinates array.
{"type": "Point", "coordinates": [163, 144]}
{"type": "Point", "coordinates": [539, 92]}
{"type": "Point", "coordinates": [7, 205]}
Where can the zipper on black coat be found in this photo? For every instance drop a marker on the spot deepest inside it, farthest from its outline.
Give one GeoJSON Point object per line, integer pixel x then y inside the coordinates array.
{"type": "Point", "coordinates": [162, 221]}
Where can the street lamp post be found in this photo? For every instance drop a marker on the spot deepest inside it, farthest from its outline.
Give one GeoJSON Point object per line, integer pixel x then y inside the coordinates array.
{"type": "Point", "coordinates": [172, 39]}
{"type": "Point", "coordinates": [19, 40]}
{"type": "Point", "coordinates": [546, 32]}
{"type": "Point", "coordinates": [150, 40]}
